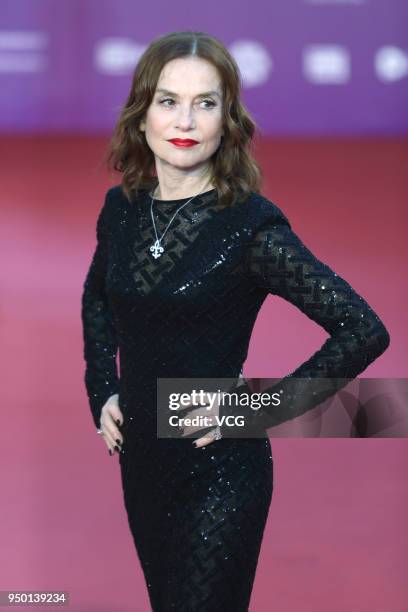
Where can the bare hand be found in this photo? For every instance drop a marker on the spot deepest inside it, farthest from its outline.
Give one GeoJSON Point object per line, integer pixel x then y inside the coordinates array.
{"type": "Point", "coordinates": [208, 409]}
{"type": "Point", "coordinates": [109, 428]}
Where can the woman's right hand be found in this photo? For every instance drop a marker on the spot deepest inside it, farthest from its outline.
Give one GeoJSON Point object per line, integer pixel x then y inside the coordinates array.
{"type": "Point", "coordinates": [110, 421]}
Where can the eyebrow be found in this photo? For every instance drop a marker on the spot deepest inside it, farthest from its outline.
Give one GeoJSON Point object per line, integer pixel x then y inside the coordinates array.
{"type": "Point", "coordinates": [201, 95]}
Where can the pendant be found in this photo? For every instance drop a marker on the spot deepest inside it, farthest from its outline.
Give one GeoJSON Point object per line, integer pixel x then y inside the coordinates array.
{"type": "Point", "coordinates": [156, 249]}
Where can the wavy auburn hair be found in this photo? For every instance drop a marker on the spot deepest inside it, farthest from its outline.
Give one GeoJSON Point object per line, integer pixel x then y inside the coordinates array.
{"type": "Point", "coordinates": [233, 170]}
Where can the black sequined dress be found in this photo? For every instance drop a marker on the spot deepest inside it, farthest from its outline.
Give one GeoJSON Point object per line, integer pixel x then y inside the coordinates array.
{"type": "Point", "coordinates": [197, 515]}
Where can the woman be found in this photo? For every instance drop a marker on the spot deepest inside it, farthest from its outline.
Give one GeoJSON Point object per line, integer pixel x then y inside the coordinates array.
{"type": "Point", "coordinates": [187, 251]}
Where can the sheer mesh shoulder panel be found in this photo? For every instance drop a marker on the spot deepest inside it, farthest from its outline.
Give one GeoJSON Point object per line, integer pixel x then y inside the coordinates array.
{"type": "Point", "coordinates": [100, 342]}
{"type": "Point", "coordinates": [278, 262]}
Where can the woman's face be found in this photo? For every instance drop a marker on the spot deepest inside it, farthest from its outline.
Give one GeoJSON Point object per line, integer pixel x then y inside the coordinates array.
{"type": "Point", "coordinates": [187, 104]}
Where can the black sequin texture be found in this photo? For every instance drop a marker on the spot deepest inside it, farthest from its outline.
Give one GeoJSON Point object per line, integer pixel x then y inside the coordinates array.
{"type": "Point", "coordinates": [197, 515]}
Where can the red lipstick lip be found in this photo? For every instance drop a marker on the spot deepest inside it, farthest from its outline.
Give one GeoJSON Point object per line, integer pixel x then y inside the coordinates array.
{"type": "Point", "coordinates": [184, 142]}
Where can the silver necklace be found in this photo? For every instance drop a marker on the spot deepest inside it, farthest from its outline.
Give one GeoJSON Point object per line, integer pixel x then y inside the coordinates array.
{"type": "Point", "coordinates": [156, 249]}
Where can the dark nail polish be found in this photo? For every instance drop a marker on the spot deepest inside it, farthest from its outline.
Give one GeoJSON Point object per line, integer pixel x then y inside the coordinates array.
{"type": "Point", "coordinates": [118, 423]}
{"type": "Point", "coordinates": [110, 452]}
{"type": "Point", "coordinates": [117, 448]}
{"type": "Point", "coordinates": [118, 441]}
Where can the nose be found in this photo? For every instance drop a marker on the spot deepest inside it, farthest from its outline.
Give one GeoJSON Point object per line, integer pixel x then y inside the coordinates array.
{"type": "Point", "coordinates": [185, 119]}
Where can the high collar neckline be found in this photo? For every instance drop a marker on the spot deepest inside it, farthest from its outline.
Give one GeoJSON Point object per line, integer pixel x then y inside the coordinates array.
{"type": "Point", "coordinates": [193, 198]}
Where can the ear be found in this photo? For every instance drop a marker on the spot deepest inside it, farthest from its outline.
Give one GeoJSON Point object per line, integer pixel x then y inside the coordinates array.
{"type": "Point", "coordinates": [142, 125]}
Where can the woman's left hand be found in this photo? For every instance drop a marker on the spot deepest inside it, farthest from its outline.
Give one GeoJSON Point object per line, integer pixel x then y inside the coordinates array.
{"type": "Point", "coordinates": [209, 409]}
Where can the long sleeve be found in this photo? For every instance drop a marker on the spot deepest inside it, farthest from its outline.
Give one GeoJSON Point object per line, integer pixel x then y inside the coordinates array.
{"type": "Point", "coordinates": [278, 263]}
{"type": "Point", "coordinates": [100, 341]}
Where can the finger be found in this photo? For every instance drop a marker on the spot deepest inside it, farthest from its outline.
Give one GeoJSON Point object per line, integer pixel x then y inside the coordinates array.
{"type": "Point", "coordinates": [110, 443]}
{"type": "Point", "coordinates": [205, 425]}
{"type": "Point", "coordinates": [111, 433]}
{"type": "Point", "coordinates": [204, 441]}
{"type": "Point", "coordinates": [207, 438]}
{"type": "Point", "coordinates": [112, 408]}
{"type": "Point", "coordinates": [189, 430]}
{"type": "Point", "coordinates": [209, 412]}
{"type": "Point", "coordinates": [112, 427]}
{"type": "Point", "coordinates": [116, 414]}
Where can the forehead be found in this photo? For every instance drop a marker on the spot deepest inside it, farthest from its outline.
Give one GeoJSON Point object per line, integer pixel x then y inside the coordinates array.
{"type": "Point", "coordinates": [189, 75]}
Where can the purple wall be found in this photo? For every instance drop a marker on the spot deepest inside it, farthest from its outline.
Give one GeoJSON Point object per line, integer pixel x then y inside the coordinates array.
{"type": "Point", "coordinates": [309, 67]}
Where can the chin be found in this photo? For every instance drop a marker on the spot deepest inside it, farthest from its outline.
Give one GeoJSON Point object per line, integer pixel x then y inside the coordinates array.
{"type": "Point", "coordinates": [186, 162]}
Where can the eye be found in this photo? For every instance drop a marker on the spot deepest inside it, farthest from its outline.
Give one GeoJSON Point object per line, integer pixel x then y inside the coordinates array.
{"type": "Point", "coordinates": [166, 100]}
{"type": "Point", "coordinates": [210, 102]}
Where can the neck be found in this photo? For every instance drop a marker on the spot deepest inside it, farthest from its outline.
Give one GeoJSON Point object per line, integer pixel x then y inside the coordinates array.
{"type": "Point", "coordinates": [179, 193]}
